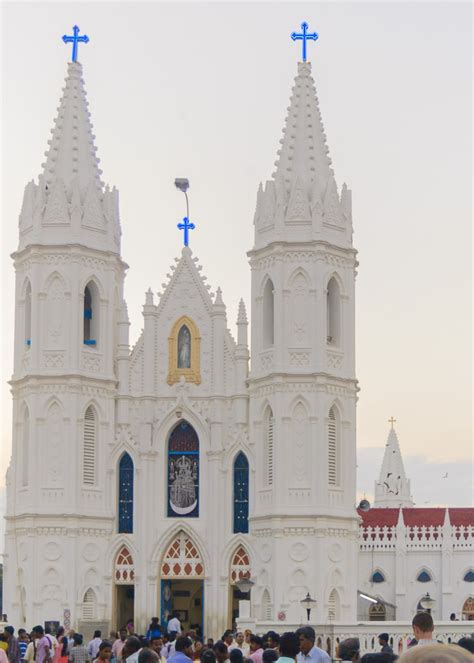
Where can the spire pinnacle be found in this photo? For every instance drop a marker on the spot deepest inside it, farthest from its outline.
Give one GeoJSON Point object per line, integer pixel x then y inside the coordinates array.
{"type": "Point", "coordinates": [71, 153]}
{"type": "Point", "coordinates": [242, 314]}
{"type": "Point", "coordinates": [393, 487]}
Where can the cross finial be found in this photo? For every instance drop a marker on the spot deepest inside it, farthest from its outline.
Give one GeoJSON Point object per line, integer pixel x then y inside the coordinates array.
{"type": "Point", "coordinates": [304, 36]}
{"type": "Point", "coordinates": [392, 421]}
{"type": "Point", "coordinates": [186, 226]}
{"type": "Point", "coordinates": [75, 39]}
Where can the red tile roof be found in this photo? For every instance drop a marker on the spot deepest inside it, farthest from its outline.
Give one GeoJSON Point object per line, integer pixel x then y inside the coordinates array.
{"type": "Point", "coordinates": [388, 517]}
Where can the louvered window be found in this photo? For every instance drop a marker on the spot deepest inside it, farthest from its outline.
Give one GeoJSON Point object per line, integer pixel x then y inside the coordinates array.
{"type": "Point", "coordinates": [89, 451]}
{"type": "Point", "coordinates": [333, 478]}
{"type": "Point", "coordinates": [88, 605]}
{"type": "Point", "coordinates": [266, 606]}
{"type": "Point", "coordinates": [269, 459]}
{"type": "Point", "coordinates": [332, 606]}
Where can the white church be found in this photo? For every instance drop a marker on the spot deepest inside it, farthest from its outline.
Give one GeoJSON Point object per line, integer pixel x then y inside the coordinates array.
{"type": "Point", "coordinates": [152, 478]}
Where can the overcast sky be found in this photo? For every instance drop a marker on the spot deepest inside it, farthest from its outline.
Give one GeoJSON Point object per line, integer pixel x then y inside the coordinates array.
{"type": "Point", "coordinates": [200, 90]}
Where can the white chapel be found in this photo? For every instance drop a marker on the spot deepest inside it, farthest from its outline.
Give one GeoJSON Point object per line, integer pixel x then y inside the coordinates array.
{"type": "Point", "coordinates": [152, 478]}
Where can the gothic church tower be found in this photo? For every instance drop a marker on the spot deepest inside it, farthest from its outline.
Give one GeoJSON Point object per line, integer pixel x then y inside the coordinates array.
{"type": "Point", "coordinates": [302, 383]}
{"type": "Point", "coordinates": [71, 331]}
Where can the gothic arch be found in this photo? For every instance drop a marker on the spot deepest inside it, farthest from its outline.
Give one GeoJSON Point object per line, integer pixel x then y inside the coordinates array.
{"type": "Point", "coordinates": [53, 400]}
{"type": "Point", "coordinates": [97, 407]}
{"type": "Point", "coordinates": [298, 271]}
{"type": "Point", "coordinates": [52, 276]}
{"type": "Point", "coordinates": [24, 287]}
{"type": "Point", "coordinates": [124, 567]}
{"type": "Point", "coordinates": [170, 535]}
{"type": "Point", "coordinates": [467, 607]}
{"type": "Point", "coordinates": [192, 373]}
{"type": "Point", "coordinates": [339, 280]}
{"type": "Point", "coordinates": [237, 541]}
{"type": "Point", "coordinates": [240, 564]}
{"type": "Point", "coordinates": [182, 558]}
{"type": "Point", "coordinates": [263, 283]}
{"type": "Point", "coordinates": [92, 278]}
{"type": "Point", "coordinates": [266, 605]}
{"type": "Point", "coordinates": [114, 548]}
{"type": "Point", "coordinates": [24, 439]}
{"type": "Point", "coordinates": [376, 570]}
{"type": "Point", "coordinates": [162, 432]}
{"type": "Point", "coordinates": [268, 314]}
{"type": "Point", "coordinates": [427, 570]}
{"type": "Point", "coordinates": [299, 398]}
{"type": "Point", "coordinates": [334, 605]}
{"type": "Point", "coordinates": [89, 604]}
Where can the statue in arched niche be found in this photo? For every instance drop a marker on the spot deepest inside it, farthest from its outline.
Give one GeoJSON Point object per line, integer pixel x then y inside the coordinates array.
{"type": "Point", "coordinates": [184, 348]}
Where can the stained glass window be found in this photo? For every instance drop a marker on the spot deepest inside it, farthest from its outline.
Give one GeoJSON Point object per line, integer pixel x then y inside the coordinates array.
{"type": "Point", "coordinates": [241, 494]}
{"type": "Point", "coordinates": [424, 576]}
{"type": "Point", "coordinates": [377, 576]}
{"type": "Point", "coordinates": [183, 472]}
{"type": "Point", "coordinates": [469, 577]}
{"type": "Point", "coordinates": [125, 504]}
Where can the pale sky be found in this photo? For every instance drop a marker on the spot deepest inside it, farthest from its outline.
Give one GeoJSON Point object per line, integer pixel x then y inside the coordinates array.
{"type": "Point", "coordinates": [200, 90]}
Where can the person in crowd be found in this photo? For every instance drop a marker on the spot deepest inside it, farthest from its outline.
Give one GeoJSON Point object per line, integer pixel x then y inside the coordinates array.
{"type": "Point", "coordinates": [169, 647]}
{"type": "Point", "coordinates": [423, 627]}
{"type": "Point", "coordinates": [154, 630]}
{"type": "Point", "coordinates": [43, 653]}
{"type": "Point", "coordinates": [156, 643]}
{"type": "Point", "coordinates": [467, 643]}
{"type": "Point", "coordinates": [23, 641]}
{"type": "Point", "coordinates": [209, 643]}
{"type": "Point", "coordinates": [105, 652]}
{"type": "Point", "coordinates": [131, 649]}
{"type": "Point", "coordinates": [113, 635]}
{"type": "Point", "coordinates": [78, 652]}
{"type": "Point", "coordinates": [289, 647]}
{"type": "Point", "coordinates": [3, 656]}
{"type": "Point", "coordinates": [247, 635]}
{"type": "Point", "coordinates": [61, 655]}
{"type": "Point", "coordinates": [236, 656]}
{"type": "Point", "coordinates": [309, 653]}
{"type": "Point", "coordinates": [240, 643]}
{"type": "Point", "coordinates": [30, 653]}
{"type": "Point", "coordinates": [228, 639]}
{"type": "Point", "coordinates": [349, 650]}
{"type": "Point", "coordinates": [383, 642]}
{"type": "Point", "coordinates": [197, 649]}
{"type": "Point", "coordinates": [221, 652]}
{"type": "Point", "coordinates": [437, 653]}
{"type": "Point", "coordinates": [3, 643]}
{"type": "Point", "coordinates": [208, 656]}
{"type": "Point", "coordinates": [147, 655]}
{"type": "Point", "coordinates": [13, 650]}
{"type": "Point", "coordinates": [378, 657]}
{"type": "Point", "coordinates": [256, 648]}
{"type": "Point", "coordinates": [60, 636]}
{"type": "Point", "coordinates": [130, 627]}
{"type": "Point", "coordinates": [273, 640]}
{"type": "Point", "coordinates": [119, 644]}
{"type": "Point", "coordinates": [270, 655]}
{"type": "Point", "coordinates": [174, 625]}
{"type": "Point", "coordinates": [94, 644]}
{"type": "Point", "coordinates": [53, 640]}
{"type": "Point", "coordinates": [183, 650]}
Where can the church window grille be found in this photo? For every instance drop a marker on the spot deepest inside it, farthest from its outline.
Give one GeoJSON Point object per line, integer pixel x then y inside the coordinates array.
{"type": "Point", "coordinates": [377, 576]}
{"type": "Point", "coordinates": [333, 473]}
{"type": "Point", "coordinates": [182, 559]}
{"type": "Point", "coordinates": [377, 612]}
{"type": "Point", "coordinates": [266, 606]}
{"type": "Point", "coordinates": [268, 314]}
{"type": "Point", "coordinates": [332, 605]}
{"type": "Point", "coordinates": [333, 313]}
{"type": "Point", "coordinates": [28, 314]}
{"type": "Point", "coordinates": [268, 460]}
{"type": "Point", "coordinates": [89, 605]}
{"type": "Point", "coordinates": [89, 448]}
{"type": "Point", "coordinates": [241, 494]}
{"type": "Point", "coordinates": [240, 566]}
{"type": "Point", "coordinates": [124, 568]}
{"type": "Point", "coordinates": [183, 472]}
{"type": "Point", "coordinates": [424, 576]}
{"type": "Point", "coordinates": [469, 576]}
{"type": "Point", "coordinates": [25, 448]}
{"type": "Point", "coordinates": [125, 495]}
{"type": "Point", "coordinates": [91, 297]}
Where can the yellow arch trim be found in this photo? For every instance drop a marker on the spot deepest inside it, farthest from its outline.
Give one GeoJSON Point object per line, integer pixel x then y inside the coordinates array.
{"type": "Point", "coordinates": [192, 374]}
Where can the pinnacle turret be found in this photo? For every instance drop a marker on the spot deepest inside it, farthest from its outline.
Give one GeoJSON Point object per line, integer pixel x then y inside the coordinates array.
{"type": "Point", "coordinates": [393, 487]}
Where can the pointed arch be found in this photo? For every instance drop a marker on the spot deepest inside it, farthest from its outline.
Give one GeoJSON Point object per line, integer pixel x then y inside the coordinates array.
{"type": "Point", "coordinates": [53, 447]}
{"type": "Point", "coordinates": [182, 559]}
{"type": "Point", "coordinates": [53, 276]}
{"type": "Point", "coordinates": [268, 314]}
{"type": "Point", "coordinates": [468, 576]}
{"type": "Point", "coordinates": [241, 493]}
{"type": "Point", "coordinates": [468, 609]}
{"type": "Point", "coordinates": [300, 460]}
{"type": "Point", "coordinates": [377, 576]}
{"type": "Point", "coordinates": [268, 446]}
{"type": "Point", "coordinates": [184, 351]}
{"type": "Point", "coordinates": [377, 612]}
{"type": "Point", "coordinates": [25, 444]}
{"type": "Point", "coordinates": [424, 575]}
{"type": "Point", "coordinates": [89, 605]}
{"type": "Point", "coordinates": [124, 571]}
{"type": "Point", "coordinates": [334, 605]}
{"type": "Point", "coordinates": [266, 606]}
{"type": "Point", "coordinates": [183, 471]}
{"type": "Point", "coordinates": [91, 314]}
{"type": "Point", "coordinates": [89, 449]}
{"type": "Point", "coordinates": [27, 313]}
{"type": "Point", "coordinates": [126, 473]}
{"type": "Point", "coordinates": [333, 446]}
{"type": "Point", "coordinates": [57, 311]}
{"type": "Point", "coordinates": [333, 312]}
{"type": "Point", "coordinates": [240, 565]}
{"type": "Point", "coordinates": [299, 316]}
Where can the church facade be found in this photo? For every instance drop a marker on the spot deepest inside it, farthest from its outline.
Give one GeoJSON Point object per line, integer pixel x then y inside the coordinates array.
{"type": "Point", "coordinates": [150, 479]}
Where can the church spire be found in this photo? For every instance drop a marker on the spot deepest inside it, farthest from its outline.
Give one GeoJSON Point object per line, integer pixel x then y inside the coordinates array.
{"type": "Point", "coordinates": [72, 153]}
{"type": "Point", "coordinates": [393, 488]}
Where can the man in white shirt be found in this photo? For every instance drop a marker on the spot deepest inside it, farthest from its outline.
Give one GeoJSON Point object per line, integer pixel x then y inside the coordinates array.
{"type": "Point", "coordinates": [174, 625]}
{"type": "Point", "coordinates": [423, 628]}
{"type": "Point", "coordinates": [94, 644]}
{"type": "Point", "coordinates": [240, 644]}
{"type": "Point", "coordinates": [309, 653]}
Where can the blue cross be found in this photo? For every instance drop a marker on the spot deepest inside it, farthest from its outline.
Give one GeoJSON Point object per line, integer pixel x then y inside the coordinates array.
{"type": "Point", "coordinates": [75, 39]}
{"type": "Point", "coordinates": [304, 37]}
{"type": "Point", "coordinates": [186, 226]}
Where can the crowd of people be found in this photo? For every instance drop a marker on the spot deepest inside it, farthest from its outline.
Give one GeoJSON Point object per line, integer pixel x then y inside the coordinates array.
{"type": "Point", "coordinates": [171, 645]}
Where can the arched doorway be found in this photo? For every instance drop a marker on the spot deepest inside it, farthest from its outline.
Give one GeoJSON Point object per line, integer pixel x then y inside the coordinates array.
{"type": "Point", "coordinates": [468, 609]}
{"type": "Point", "coordinates": [182, 584]}
{"type": "Point", "coordinates": [124, 582]}
{"type": "Point", "coordinates": [239, 568]}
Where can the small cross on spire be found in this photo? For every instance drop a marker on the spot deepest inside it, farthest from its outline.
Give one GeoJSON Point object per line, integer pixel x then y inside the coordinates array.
{"type": "Point", "coordinates": [392, 421]}
{"type": "Point", "coordinates": [304, 36]}
{"type": "Point", "coordinates": [74, 40]}
{"type": "Point", "coordinates": [186, 226]}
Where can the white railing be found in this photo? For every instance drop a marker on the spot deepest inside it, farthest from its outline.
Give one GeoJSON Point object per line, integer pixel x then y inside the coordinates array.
{"type": "Point", "coordinates": [416, 538]}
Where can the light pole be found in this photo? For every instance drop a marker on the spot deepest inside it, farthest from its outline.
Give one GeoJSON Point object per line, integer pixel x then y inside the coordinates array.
{"type": "Point", "coordinates": [308, 603]}
{"type": "Point", "coordinates": [427, 603]}
{"type": "Point", "coordinates": [244, 585]}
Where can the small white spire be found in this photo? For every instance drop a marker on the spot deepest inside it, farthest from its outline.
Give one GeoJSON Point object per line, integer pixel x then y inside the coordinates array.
{"type": "Point", "coordinates": [242, 314]}
{"type": "Point", "coordinates": [149, 297]}
{"type": "Point", "coordinates": [393, 488]}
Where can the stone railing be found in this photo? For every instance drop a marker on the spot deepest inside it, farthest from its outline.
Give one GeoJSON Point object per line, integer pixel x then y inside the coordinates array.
{"type": "Point", "coordinates": [416, 538]}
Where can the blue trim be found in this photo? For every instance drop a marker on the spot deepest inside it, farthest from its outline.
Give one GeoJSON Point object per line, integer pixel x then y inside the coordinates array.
{"type": "Point", "coordinates": [88, 313]}
{"type": "Point", "coordinates": [28, 341]}
{"type": "Point", "coordinates": [90, 342]}
{"type": "Point", "coordinates": [241, 494]}
{"type": "Point", "coordinates": [125, 495]}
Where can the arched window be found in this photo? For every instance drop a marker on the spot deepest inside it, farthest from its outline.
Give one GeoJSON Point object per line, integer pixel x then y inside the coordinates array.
{"type": "Point", "coordinates": [25, 451]}
{"type": "Point", "coordinates": [333, 455]}
{"type": "Point", "coordinates": [269, 424]}
{"type": "Point", "coordinates": [469, 576]}
{"type": "Point", "coordinates": [268, 314]}
{"type": "Point", "coordinates": [28, 314]}
{"type": "Point", "coordinates": [183, 472]}
{"type": "Point", "coordinates": [91, 314]}
{"type": "Point", "coordinates": [333, 605]}
{"type": "Point", "coordinates": [377, 612]}
{"type": "Point", "coordinates": [240, 565]}
{"type": "Point", "coordinates": [377, 576]}
{"type": "Point", "coordinates": [266, 606]}
{"type": "Point", "coordinates": [125, 495]}
{"type": "Point", "coordinates": [124, 567]}
{"type": "Point", "coordinates": [241, 493]}
{"type": "Point", "coordinates": [424, 576]}
{"type": "Point", "coordinates": [184, 354]}
{"type": "Point", "coordinates": [89, 447]}
{"type": "Point", "coordinates": [333, 313]}
{"type": "Point", "coordinates": [468, 609]}
{"type": "Point", "coordinates": [184, 347]}
{"type": "Point", "coordinates": [182, 559]}
{"type": "Point", "coordinates": [89, 605]}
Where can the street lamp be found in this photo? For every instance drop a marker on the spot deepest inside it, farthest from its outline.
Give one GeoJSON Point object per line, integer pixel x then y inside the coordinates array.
{"type": "Point", "coordinates": [427, 603]}
{"type": "Point", "coordinates": [245, 584]}
{"type": "Point", "coordinates": [308, 603]}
